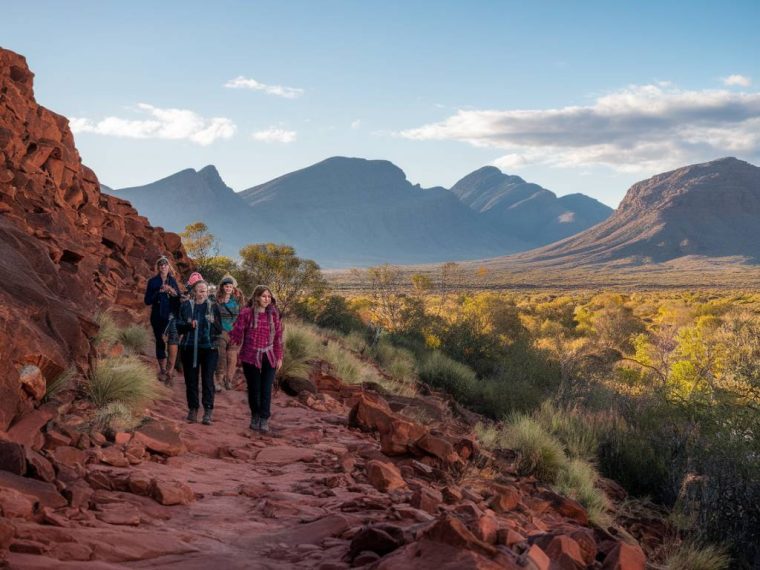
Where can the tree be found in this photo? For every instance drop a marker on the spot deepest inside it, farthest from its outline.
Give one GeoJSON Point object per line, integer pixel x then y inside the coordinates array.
{"type": "Point", "coordinates": [278, 267]}
{"type": "Point", "coordinates": [199, 243]}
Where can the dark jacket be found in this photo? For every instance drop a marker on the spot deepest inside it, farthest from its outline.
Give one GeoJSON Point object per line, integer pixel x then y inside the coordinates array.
{"type": "Point", "coordinates": [163, 304]}
{"type": "Point", "coordinates": [209, 324]}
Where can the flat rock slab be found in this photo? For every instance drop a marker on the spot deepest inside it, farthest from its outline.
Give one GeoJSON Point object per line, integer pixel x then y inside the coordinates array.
{"type": "Point", "coordinates": [310, 533]}
{"type": "Point", "coordinates": [284, 455]}
{"type": "Point", "coordinates": [45, 493]}
{"type": "Point", "coordinates": [160, 437]}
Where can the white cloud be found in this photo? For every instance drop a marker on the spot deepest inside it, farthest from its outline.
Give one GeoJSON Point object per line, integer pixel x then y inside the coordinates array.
{"type": "Point", "coordinates": [241, 82]}
{"type": "Point", "coordinates": [640, 128]}
{"type": "Point", "coordinates": [172, 124]}
{"type": "Point", "coordinates": [737, 80]}
{"type": "Point", "coordinates": [356, 124]}
{"type": "Point", "coordinates": [275, 135]}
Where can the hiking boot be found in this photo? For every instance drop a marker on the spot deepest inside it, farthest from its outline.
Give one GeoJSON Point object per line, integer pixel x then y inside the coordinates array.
{"type": "Point", "coordinates": [218, 387]}
{"type": "Point", "coordinates": [255, 423]}
{"type": "Point", "coordinates": [192, 415]}
{"type": "Point", "coordinates": [206, 421]}
{"type": "Point", "coordinates": [264, 425]}
{"type": "Point", "coordinates": [169, 379]}
{"type": "Point", "coordinates": [227, 384]}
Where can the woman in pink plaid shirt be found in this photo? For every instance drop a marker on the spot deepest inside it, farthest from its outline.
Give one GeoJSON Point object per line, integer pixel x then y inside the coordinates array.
{"type": "Point", "coordinates": [259, 330]}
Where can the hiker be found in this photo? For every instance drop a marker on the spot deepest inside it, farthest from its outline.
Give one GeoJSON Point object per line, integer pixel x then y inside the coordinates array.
{"type": "Point", "coordinates": [259, 332]}
{"type": "Point", "coordinates": [200, 324]}
{"type": "Point", "coordinates": [230, 301]}
{"type": "Point", "coordinates": [162, 294]}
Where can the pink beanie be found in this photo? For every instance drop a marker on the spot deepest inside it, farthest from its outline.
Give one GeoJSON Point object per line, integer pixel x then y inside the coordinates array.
{"type": "Point", "coordinates": [194, 278]}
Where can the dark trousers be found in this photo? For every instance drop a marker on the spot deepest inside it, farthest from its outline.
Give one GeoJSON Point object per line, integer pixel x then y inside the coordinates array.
{"type": "Point", "coordinates": [159, 326]}
{"type": "Point", "coordinates": [259, 387]}
{"type": "Point", "coordinates": [207, 358]}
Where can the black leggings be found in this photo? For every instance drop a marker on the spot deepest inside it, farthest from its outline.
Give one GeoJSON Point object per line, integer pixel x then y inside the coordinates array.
{"type": "Point", "coordinates": [259, 382]}
{"type": "Point", "coordinates": [159, 326]}
{"type": "Point", "coordinates": [207, 358]}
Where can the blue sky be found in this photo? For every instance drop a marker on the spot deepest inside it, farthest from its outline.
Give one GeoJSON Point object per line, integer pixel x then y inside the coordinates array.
{"type": "Point", "coordinates": [576, 96]}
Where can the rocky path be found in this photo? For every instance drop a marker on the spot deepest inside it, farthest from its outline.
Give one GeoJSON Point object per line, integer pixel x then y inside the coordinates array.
{"type": "Point", "coordinates": [344, 480]}
{"type": "Point", "coordinates": [261, 501]}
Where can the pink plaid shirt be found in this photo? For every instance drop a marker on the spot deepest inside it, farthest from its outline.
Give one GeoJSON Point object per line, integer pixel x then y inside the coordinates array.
{"type": "Point", "coordinates": [255, 341]}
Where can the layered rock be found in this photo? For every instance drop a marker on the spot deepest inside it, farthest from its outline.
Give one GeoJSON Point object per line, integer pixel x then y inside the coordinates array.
{"type": "Point", "coordinates": [66, 250]}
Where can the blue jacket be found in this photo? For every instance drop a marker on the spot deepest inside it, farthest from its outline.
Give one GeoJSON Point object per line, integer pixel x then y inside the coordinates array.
{"type": "Point", "coordinates": [163, 304]}
{"type": "Point", "coordinates": [209, 324]}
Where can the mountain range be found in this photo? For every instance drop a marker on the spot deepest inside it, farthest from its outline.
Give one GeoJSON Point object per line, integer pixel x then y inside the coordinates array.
{"type": "Point", "coordinates": [710, 209]}
{"type": "Point", "coordinates": [355, 212]}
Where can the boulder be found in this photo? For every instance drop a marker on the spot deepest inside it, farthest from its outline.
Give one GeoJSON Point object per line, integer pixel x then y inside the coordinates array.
{"type": "Point", "coordinates": [450, 530]}
{"type": "Point", "coordinates": [427, 499]}
{"type": "Point", "coordinates": [384, 477]}
{"type": "Point", "coordinates": [293, 386]}
{"type": "Point", "coordinates": [624, 556]}
{"type": "Point", "coordinates": [160, 437]}
{"type": "Point", "coordinates": [172, 493]}
{"type": "Point", "coordinates": [12, 457]}
{"type": "Point", "coordinates": [32, 381]}
{"type": "Point", "coordinates": [373, 539]}
{"type": "Point", "coordinates": [438, 447]}
{"type": "Point", "coordinates": [45, 493]}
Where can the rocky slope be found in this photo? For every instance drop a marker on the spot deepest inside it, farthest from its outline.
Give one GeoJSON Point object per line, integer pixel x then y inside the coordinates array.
{"type": "Point", "coordinates": [65, 249]}
{"type": "Point", "coordinates": [710, 209]}
{"type": "Point", "coordinates": [346, 479]}
{"type": "Point", "coordinates": [525, 210]}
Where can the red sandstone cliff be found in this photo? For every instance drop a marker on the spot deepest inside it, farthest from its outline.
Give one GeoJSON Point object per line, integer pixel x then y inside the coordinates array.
{"type": "Point", "coordinates": [65, 248]}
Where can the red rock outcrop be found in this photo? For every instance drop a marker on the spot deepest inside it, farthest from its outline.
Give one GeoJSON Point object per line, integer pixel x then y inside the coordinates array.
{"type": "Point", "coordinates": [66, 250]}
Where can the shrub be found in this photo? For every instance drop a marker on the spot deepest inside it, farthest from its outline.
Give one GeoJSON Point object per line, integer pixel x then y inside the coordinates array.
{"type": "Point", "coordinates": [539, 453]}
{"type": "Point", "coordinates": [334, 313]}
{"type": "Point", "coordinates": [134, 338]}
{"type": "Point", "coordinates": [301, 345]}
{"type": "Point", "coordinates": [115, 416]}
{"type": "Point", "coordinates": [122, 379]}
{"type": "Point", "coordinates": [576, 429]}
{"type": "Point", "coordinates": [489, 436]}
{"type": "Point", "coordinates": [356, 341]}
{"type": "Point", "coordinates": [577, 479]}
{"type": "Point", "coordinates": [346, 366]}
{"type": "Point", "coordinates": [442, 372]}
{"type": "Point", "coordinates": [108, 332]}
{"type": "Point", "coordinates": [692, 556]}
{"type": "Point", "coordinates": [59, 384]}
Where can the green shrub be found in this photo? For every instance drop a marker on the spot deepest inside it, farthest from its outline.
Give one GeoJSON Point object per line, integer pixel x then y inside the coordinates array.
{"type": "Point", "coordinates": [122, 379]}
{"type": "Point", "coordinates": [301, 344]}
{"type": "Point", "coordinates": [577, 479]}
{"type": "Point", "coordinates": [134, 338]}
{"type": "Point", "coordinates": [334, 313]}
{"type": "Point", "coordinates": [115, 416]}
{"type": "Point", "coordinates": [346, 366]}
{"type": "Point", "coordinates": [442, 372]}
{"type": "Point", "coordinates": [539, 453]}
{"type": "Point", "coordinates": [60, 383]}
{"type": "Point", "coordinates": [578, 430]}
{"type": "Point", "coordinates": [489, 436]}
{"type": "Point", "coordinates": [108, 332]}
{"type": "Point", "coordinates": [692, 556]}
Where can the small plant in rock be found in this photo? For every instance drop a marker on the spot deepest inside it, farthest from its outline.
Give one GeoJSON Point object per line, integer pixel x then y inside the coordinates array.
{"type": "Point", "coordinates": [115, 416]}
{"type": "Point", "coordinates": [108, 332]}
{"type": "Point", "coordinates": [134, 338]}
{"type": "Point", "coordinates": [123, 379]}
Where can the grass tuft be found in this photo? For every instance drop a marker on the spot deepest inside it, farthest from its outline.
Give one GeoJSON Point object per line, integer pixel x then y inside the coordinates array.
{"type": "Point", "coordinates": [134, 338]}
{"type": "Point", "coordinates": [122, 379]}
{"type": "Point", "coordinates": [301, 344]}
{"type": "Point", "coordinates": [693, 556]}
{"type": "Point", "coordinates": [115, 416]}
{"type": "Point", "coordinates": [60, 384]}
{"type": "Point", "coordinates": [539, 453]}
{"type": "Point", "coordinates": [577, 479]}
{"type": "Point", "coordinates": [108, 332]}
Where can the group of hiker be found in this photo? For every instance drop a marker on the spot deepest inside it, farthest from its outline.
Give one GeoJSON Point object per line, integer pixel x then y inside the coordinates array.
{"type": "Point", "coordinates": [212, 334]}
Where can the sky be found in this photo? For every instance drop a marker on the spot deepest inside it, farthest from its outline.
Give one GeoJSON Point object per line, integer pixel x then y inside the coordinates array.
{"type": "Point", "coordinates": [577, 96]}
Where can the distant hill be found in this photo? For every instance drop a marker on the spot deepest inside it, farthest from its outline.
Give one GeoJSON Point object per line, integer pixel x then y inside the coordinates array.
{"type": "Point", "coordinates": [710, 209]}
{"type": "Point", "coordinates": [351, 211]}
{"type": "Point", "coordinates": [526, 210]}
{"type": "Point", "coordinates": [189, 196]}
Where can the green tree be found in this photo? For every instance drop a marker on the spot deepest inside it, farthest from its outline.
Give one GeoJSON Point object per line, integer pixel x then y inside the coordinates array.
{"type": "Point", "coordinates": [278, 267]}
{"type": "Point", "coordinates": [199, 242]}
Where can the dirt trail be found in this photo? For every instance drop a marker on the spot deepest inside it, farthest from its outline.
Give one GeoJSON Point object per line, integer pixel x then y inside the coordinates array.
{"type": "Point", "coordinates": [270, 501]}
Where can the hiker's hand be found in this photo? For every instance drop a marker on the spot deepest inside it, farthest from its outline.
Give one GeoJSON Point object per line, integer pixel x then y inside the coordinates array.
{"type": "Point", "coordinates": [278, 365]}
{"type": "Point", "coordinates": [194, 323]}
{"type": "Point", "coordinates": [171, 290]}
